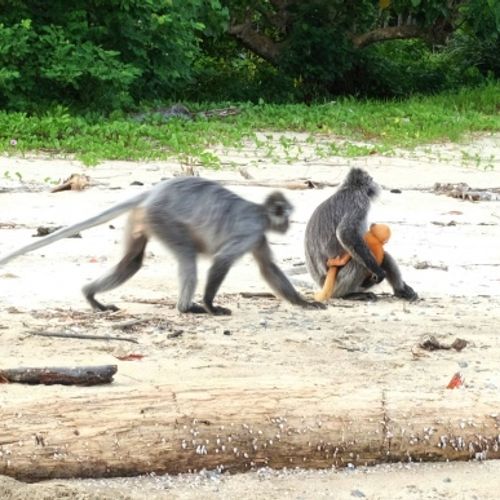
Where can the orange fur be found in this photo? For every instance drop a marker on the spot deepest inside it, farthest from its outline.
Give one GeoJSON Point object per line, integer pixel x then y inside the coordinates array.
{"type": "Point", "coordinates": [376, 237]}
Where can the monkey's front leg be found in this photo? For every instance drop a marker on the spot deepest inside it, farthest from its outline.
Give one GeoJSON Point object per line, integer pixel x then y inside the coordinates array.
{"type": "Point", "coordinates": [401, 289]}
{"type": "Point", "coordinates": [359, 250]}
{"type": "Point", "coordinates": [277, 280]}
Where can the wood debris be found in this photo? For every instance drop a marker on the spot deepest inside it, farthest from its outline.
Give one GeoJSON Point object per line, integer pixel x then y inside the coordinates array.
{"type": "Point", "coordinates": [79, 375]}
{"type": "Point", "coordinates": [463, 191]}
{"type": "Point", "coordinates": [430, 343]}
{"type": "Point", "coordinates": [75, 182]}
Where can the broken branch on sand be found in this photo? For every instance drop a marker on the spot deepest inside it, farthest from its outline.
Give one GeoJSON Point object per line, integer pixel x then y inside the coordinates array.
{"type": "Point", "coordinates": [78, 375]}
{"type": "Point", "coordinates": [83, 336]}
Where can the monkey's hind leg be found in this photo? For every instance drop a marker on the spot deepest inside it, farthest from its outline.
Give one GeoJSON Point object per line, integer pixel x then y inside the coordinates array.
{"type": "Point", "coordinates": [187, 281]}
{"type": "Point", "coordinates": [124, 270]}
{"type": "Point", "coordinates": [216, 276]}
{"type": "Point", "coordinates": [329, 285]}
{"type": "Point", "coordinates": [177, 238]}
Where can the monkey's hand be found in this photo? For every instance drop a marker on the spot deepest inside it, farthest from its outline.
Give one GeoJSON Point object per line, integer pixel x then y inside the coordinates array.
{"type": "Point", "coordinates": [338, 261]}
{"type": "Point", "coordinates": [378, 276]}
{"type": "Point", "coordinates": [406, 293]}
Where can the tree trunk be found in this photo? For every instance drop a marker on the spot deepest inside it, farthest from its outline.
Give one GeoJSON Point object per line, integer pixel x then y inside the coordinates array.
{"type": "Point", "coordinates": [390, 33]}
{"type": "Point", "coordinates": [165, 430]}
{"type": "Point", "coordinates": [256, 42]}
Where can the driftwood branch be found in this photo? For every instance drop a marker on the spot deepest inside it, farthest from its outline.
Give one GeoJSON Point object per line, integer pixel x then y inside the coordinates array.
{"type": "Point", "coordinates": [79, 375]}
{"type": "Point", "coordinates": [76, 182]}
{"type": "Point", "coordinates": [83, 336]}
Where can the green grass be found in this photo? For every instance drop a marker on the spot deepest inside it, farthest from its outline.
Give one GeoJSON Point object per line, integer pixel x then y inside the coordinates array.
{"type": "Point", "coordinates": [383, 124]}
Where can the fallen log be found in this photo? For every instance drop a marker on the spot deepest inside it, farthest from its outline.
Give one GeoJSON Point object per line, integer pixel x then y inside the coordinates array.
{"type": "Point", "coordinates": [165, 430]}
{"type": "Point", "coordinates": [78, 375]}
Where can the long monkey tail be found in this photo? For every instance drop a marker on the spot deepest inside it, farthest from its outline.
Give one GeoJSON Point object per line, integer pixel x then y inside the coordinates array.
{"type": "Point", "coordinates": [65, 232]}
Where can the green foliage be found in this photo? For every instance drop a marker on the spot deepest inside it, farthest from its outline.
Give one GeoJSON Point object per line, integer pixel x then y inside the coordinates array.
{"type": "Point", "coordinates": [239, 76]}
{"type": "Point", "coordinates": [383, 124]}
{"type": "Point", "coordinates": [318, 59]}
{"type": "Point", "coordinates": [406, 67]}
{"type": "Point", "coordinates": [103, 55]}
{"type": "Point", "coordinates": [318, 49]}
{"type": "Point", "coordinates": [476, 44]}
{"type": "Point", "coordinates": [122, 54]}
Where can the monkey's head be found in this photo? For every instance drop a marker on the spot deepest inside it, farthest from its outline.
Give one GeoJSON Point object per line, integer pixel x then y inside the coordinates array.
{"type": "Point", "coordinates": [361, 180]}
{"type": "Point", "coordinates": [278, 210]}
{"type": "Point", "coordinates": [381, 231]}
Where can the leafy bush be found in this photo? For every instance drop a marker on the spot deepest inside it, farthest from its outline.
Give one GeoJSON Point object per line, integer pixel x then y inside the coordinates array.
{"type": "Point", "coordinates": [476, 45]}
{"type": "Point", "coordinates": [317, 58]}
{"type": "Point", "coordinates": [99, 54]}
{"type": "Point", "coordinates": [120, 54]}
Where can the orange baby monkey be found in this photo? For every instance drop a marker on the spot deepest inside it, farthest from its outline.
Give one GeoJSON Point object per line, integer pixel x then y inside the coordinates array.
{"type": "Point", "coordinates": [376, 237]}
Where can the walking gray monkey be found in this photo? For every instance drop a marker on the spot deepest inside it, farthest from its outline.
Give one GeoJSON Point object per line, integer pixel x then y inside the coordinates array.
{"type": "Point", "coordinates": [338, 226]}
{"type": "Point", "coordinates": [191, 216]}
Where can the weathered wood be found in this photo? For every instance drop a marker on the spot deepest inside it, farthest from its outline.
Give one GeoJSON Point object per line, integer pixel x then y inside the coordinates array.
{"type": "Point", "coordinates": [161, 429]}
{"type": "Point", "coordinates": [78, 375]}
{"type": "Point", "coordinates": [75, 182]}
{"type": "Point", "coordinates": [84, 336]}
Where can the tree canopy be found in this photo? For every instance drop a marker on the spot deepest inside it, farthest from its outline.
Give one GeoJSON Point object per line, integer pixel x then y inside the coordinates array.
{"type": "Point", "coordinates": [118, 53]}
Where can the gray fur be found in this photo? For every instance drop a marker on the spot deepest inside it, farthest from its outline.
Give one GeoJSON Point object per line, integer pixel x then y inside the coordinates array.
{"type": "Point", "coordinates": [338, 225]}
{"type": "Point", "coordinates": [191, 216]}
{"type": "Point", "coordinates": [66, 232]}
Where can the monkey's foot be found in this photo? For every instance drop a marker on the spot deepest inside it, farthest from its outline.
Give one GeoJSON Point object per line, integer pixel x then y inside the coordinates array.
{"type": "Point", "coordinates": [218, 310]}
{"type": "Point", "coordinates": [195, 309]}
{"type": "Point", "coordinates": [208, 309]}
{"type": "Point", "coordinates": [373, 279]}
{"type": "Point", "coordinates": [315, 304]}
{"type": "Point", "coordinates": [98, 306]}
{"type": "Point", "coordinates": [406, 293]}
{"type": "Point", "coordinates": [361, 296]}
{"type": "Point", "coordinates": [320, 296]}
{"type": "Point", "coordinates": [109, 307]}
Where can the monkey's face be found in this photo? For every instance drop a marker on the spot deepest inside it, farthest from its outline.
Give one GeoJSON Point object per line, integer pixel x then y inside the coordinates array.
{"type": "Point", "coordinates": [359, 179]}
{"type": "Point", "coordinates": [279, 210]}
{"type": "Point", "coordinates": [373, 189]}
{"type": "Point", "coordinates": [279, 218]}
